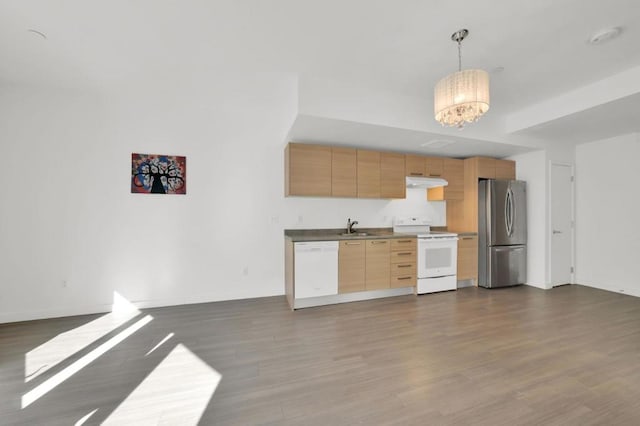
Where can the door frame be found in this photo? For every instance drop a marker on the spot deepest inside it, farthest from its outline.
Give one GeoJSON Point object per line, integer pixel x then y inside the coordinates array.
{"type": "Point", "coordinates": [573, 219]}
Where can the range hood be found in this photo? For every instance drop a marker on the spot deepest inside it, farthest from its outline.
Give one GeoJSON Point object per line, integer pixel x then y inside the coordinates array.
{"type": "Point", "coordinates": [425, 182]}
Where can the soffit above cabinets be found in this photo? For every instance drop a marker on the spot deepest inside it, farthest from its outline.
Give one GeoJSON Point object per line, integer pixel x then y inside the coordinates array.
{"type": "Point", "coordinates": [322, 130]}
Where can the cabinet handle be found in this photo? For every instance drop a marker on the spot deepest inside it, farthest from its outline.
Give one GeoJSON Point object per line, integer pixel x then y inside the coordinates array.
{"type": "Point", "coordinates": [404, 241]}
{"type": "Point", "coordinates": [352, 244]}
{"type": "Point", "coordinates": [404, 278]}
{"type": "Point", "coordinates": [416, 174]}
{"type": "Point", "coordinates": [405, 253]}
{"type": "Point", "coordinates": [405, 266]}
{"type": "Point", "coordinates": [467, 238]}
{"type": "Point", "coordinates": [434, 175]}
{"type": "Point", "coordinates": [378, 242]}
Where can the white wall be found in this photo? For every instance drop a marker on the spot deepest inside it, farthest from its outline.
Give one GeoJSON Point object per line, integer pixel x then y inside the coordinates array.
{"type": "Point", "coordinates": [532, 168]}
{"type": "Point", "coordinates": [72, 233]}
{"type": "Point", "coordinates": [607, 206]}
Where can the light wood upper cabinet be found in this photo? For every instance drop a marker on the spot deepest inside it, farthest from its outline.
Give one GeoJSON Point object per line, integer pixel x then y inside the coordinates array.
{"type": "Point", "coordinates": [351, 266]}
{"type": "Point", "coordinates": [308, 170]}
{"type": "Point", "coordinates": [433, 166]}
{"type": "Point", "coordinates": [505, 169]}
{"type": "Point", "coordinates": [392, 178]}
{"type": "Point", "coordinates": [468, 258]}
{"type": "Point", "coordinates": [343, 172]}
{"type": "Point", "coordinates": [368, 174]}
{"type": "Point", "coordinates": [486, 167]}
{"type": "Point", "coordinates": [453, 173]}
{"type": "Point", "coordinates": [378, 264]}
{"type": "Point", "coordinates": [414, 165]}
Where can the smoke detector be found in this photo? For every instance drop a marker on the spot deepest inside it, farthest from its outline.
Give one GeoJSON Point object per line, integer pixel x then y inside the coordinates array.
{"type": "Point", "coordinates": [605, 35]}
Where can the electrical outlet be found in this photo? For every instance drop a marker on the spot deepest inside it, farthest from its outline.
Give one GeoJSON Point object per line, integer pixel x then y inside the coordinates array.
{"type": "Point", "coordinates": [275, 220]}
{"type": "Point", "coordinates": [64, 283]}
{"type": "Point", "coordinates": [245, 271]}
{"type": "Point", "coordinates": [300, 220]}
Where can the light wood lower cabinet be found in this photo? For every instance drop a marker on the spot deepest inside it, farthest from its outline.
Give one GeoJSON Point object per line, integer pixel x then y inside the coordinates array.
{"type": "Point", "coordinates": [351, 266]}
{"type": "Point", "coordinates": [403, 263]}
{"type": "Point", "coordinates": [468, 258]}
{"type": "Point", "coordinates": [378, 266]}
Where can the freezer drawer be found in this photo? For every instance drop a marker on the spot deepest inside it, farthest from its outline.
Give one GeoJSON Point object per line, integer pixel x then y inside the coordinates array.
{"type": "Point", "coordinates": [503, 266]}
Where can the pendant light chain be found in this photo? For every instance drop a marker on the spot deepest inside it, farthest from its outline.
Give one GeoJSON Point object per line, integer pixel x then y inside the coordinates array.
{"type": "Point", "coordinates": [459, 55]}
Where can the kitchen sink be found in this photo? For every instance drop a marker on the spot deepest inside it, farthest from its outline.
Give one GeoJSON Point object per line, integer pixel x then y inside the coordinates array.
{"type": "Point", "coordinates": [355, 234]}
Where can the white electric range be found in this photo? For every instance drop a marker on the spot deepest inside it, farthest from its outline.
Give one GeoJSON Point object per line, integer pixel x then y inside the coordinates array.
{"type": "Point", "coordinates": [437, 254]}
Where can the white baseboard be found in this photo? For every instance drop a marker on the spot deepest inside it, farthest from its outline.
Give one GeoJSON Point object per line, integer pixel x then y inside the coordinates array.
{"type": "Point", "coordinates": [69, 311]}
{"type": "Point", "coordinates": [627, 291]}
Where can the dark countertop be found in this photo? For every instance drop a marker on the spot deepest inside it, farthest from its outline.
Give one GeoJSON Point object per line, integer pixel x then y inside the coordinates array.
{"type": "Point", "coordinates": [302, 235]}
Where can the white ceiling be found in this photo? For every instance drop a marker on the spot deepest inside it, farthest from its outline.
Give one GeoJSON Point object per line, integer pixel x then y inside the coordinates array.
{"type": "Point", "coordinates": [401, 46]}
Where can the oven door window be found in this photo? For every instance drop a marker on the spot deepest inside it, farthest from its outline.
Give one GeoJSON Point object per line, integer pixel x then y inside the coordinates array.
{"type": "Point", "coordinates": [437, 258]}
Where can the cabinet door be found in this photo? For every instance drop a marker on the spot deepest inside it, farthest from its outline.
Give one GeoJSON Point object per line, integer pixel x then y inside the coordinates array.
{"type": "Point", "coordinates": [505, 169]}
{"type": "Point", "coordinates": [414, 165]}
{"type": "Point", "coordinates": [308, 170]}
{"type": "Point", "coordinates": [378, 264]}
{"type": "Point", "coordinates": [454, 175]}
{"type": "Point", "coordinates": [368, 174]}
{"type": "Point", "coordinates": [351, 266]}
{"type": "Point", "coordinates": [486, 167]}
{"type": "Point", "coordinates": [468, 258]}
{"type": "Point", "coordinates": [343, 172]}
{"type": "Point", "coordinates": [392, 179]}
{"type": "Point", "coordinates": [434, 166]}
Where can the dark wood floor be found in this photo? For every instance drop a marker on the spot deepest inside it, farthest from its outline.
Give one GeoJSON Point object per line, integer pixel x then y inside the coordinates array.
{"type": "Point", "coordinates": [521, 355]}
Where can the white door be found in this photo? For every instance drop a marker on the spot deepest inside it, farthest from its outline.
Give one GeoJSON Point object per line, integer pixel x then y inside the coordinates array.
{"type": "Point", "coordinates": [561, 224]}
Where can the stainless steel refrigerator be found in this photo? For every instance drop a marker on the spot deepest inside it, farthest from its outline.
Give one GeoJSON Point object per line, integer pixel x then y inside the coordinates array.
{"type": "Point", "coordinates": [502, 233]}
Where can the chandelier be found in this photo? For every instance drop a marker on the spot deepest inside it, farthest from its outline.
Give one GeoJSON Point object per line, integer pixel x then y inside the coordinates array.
{"type": "Point", "coordinates": [461, 97]}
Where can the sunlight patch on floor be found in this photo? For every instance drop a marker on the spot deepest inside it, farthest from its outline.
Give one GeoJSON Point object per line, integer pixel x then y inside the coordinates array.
{"type": "Point", "coordinates": [84, 419]}
{"type": "Point", "coordinates": [177, 391]}
{"type": "Point", "coordinates": [49, 384]}
{"type": "Point", "coordinates": [64, 345]}
{"type": "Point", "coordinates": [169, 336]}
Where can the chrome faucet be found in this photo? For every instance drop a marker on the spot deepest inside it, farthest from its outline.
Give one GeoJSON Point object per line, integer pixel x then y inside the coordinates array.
{"type": "Point", "coordinates": [350, 226]}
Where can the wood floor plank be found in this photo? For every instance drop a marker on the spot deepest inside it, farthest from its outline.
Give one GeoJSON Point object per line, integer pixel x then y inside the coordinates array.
{"type": "Point", "coordinates": [519, 355]}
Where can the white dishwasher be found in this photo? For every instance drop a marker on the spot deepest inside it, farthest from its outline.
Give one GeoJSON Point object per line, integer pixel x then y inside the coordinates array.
{"type": "Point", "coordinates": [316, 269]}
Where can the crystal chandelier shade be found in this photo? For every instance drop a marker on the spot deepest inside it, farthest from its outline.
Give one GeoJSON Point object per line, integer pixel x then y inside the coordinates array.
{"type": "Point", "coordinates": [461, 97]}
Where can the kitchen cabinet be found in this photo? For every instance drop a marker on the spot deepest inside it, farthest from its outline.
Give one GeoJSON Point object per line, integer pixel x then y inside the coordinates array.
{"type": "Point", "coordinates": [351, 266]}
{"type": "Point", "coordinates": [486, 167]}
{"type": "Point", "coordinates": [343, 172]}
{"type": "Point", "coordinates": [468, 258]}
{"type": "Point", "coordinates": [403, 263]}
{"type": "Point", "coordinates": [377, 264]}
{"type": "Point", "coordinates": [368, 171]}
{"type": "Point", "coordinates": [307, 170]}
{"type": "Point", "coordinates": [414, 165]}
{"type": "Point", "coordinates": [505, 169]}
{"type": "Point", "coordinates": [392, 178]}
{"type": "Point", "coordinates": [433, 166]}
{"type": "Point", "coordinates": [453, 173]}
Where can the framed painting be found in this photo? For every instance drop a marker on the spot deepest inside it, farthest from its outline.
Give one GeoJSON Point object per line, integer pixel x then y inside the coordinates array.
{"type": "Point", "coordinates": [158, 174]}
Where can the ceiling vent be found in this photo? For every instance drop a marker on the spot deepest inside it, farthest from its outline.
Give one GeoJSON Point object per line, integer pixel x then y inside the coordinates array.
{"type": "Point", "coordinates": [437, 143]}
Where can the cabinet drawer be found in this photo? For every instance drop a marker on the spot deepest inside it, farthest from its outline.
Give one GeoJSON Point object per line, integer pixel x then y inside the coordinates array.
{"type": "Point", "coordinates": [401, 269]}
{"type": "Point", "coordinates": [408, 280]}
{"type": "Point", "coordinates": [404, 256]}
{"type": "Point", "coordinates": [403, 244]}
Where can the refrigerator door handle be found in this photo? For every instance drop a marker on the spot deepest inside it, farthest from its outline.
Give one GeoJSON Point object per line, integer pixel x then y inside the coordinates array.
{"type": "Point", "coordinates": [508, 213]}
{"type": "Point", "coordinates": [514, 212]}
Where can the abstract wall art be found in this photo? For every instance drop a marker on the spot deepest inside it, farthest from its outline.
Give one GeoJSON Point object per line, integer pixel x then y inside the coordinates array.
{"type": "Point", "coordinates": [158, 174]}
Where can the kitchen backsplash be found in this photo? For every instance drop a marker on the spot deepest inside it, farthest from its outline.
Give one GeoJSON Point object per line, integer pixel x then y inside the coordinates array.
{"type": "Point", "coordinates": [308, 212]}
